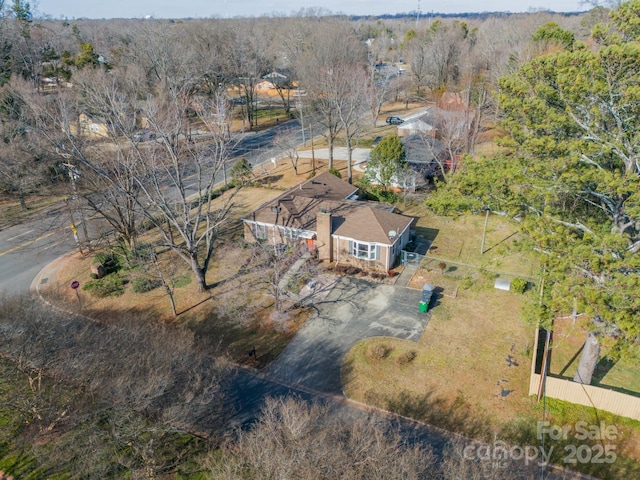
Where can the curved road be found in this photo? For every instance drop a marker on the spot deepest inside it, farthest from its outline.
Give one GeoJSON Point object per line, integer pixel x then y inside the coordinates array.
{"type": "Point", "coordinates": [27, 248]}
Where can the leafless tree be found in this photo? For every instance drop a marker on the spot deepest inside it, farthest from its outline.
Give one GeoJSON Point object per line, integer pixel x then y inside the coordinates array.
{"type": "Point", "coordinates": [380, 84]}
{"type": "Point", "coordinates": [330, 49]}
{"type": "Point", "coordinates": [170, 180]}
{"type": "Point", "coordinates": [24, 161]}
{"type": "Point", "coordinates": [287, 141]}
{"type": "Point", "coordinates": [351, 107]}
{"type": "Point", "coordinates": [294, 440]}
{"type": "Point", "coordinates": [246, 62]}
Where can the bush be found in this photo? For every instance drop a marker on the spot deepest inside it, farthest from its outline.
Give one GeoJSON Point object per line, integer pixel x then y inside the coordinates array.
{"type": "Point", "coordinates": [143, 284]}
{"type": "Point", "coordinates": [407, 357]}
{"type": "Point", "coordinates": [379, 352]}
{"type": "Point", "coordinates": [111, 286]}
{"type": "Point", "coordinates": [109, 260]}
{"type": "Point", "coordinates": [467, 282]}
{"type": "Point", "coordinates": [93, 276]}
{"type": "Point", "coordinates": [519, 285]}
{"type": "Point", "coordinates": [335, 172]}
{"type": "Point", "coordinates": [181, 281]}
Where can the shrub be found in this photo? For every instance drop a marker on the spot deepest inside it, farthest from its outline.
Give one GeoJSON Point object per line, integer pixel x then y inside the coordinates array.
{"type": "Point", "coordinates": [519, 285]}
{"type": "Point", "coordinates": [353, 270]}
{"type": "Point", "coordinates": [94, 276]}
{"type": "Point", "coordinates": [379, 352]}
{"type": "Point", "coordinates": [406, 357]}
{"type": "Point", "coordinates": [335, 172]}
{"type": "Point", "coordinates": [467, 282]}
{"type": "Point", "coordinates": [143, 284]}
{"type": "Point", "coordinates": [181, 281]}
{"type": "Point", "coordinates": [111, 286]}
{"type": "Point", "coordinates": [108, 260]}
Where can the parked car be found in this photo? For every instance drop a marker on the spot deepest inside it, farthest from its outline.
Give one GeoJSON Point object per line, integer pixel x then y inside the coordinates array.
{"type": "Point", "coordinates": [376, 141]}
{"type": "Point", "coordinates": [394, 121]}
{"type": "Point", "coordinates": [143, 136]}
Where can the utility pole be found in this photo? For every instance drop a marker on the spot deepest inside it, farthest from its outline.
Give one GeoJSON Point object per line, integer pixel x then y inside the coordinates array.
{"type": "Point", "coordinates": [313, 154]}
{"type": "Point", "coordinates": [484, 231]}
{"type": "Point", "coordinates": [304, 141]}
{"type": "Point", "coordinates": [73, 175]}
{"type": "Point", "coordinates": [418, 14]}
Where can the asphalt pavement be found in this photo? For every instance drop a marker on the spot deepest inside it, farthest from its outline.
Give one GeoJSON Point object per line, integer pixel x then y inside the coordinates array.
{"type": "Point", "coordinates": [355, 309]}
{"type": "Point", "coordinates": [25, 249]}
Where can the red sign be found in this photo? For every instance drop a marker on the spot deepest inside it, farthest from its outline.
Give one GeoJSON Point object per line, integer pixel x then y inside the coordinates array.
{"type": "Point", "coordinates": [75, 284]}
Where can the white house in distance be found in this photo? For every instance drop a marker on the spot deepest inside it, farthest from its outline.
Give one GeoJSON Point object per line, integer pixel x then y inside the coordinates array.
{"type": "Point", "coordinates": [325, 213]}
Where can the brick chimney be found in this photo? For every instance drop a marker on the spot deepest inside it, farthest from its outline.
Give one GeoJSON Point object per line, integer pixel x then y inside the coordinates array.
{"type": "Point", "coordinates": [324, 241]}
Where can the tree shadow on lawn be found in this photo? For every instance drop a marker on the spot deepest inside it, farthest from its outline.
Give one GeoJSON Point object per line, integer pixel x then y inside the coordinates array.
{"type": "Point", "coordinates": [434, 409]}
{"type": "Point", "coordinates": [267, 180]}
{"type": "Point", "coordinates": [458, 416]}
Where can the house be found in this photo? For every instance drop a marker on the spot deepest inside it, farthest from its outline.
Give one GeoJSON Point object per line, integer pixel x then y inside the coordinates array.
{"type": "Point", "coordinates": [273, 81]}
{"type": "Point", "coordinates": [421, 122]}
{"type": "Point", "coordinates": [93, 127]}
{"type": "Point", "coordinates": [325, 213]}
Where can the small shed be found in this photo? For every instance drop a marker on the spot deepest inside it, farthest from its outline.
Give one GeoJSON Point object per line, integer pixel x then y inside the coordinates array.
{"type": "Point", "coordinates": [503, 284]}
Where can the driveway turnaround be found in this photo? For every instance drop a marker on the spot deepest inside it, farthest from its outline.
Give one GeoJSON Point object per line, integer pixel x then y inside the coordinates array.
{"type": "Point", "coordinates": [354, 310]}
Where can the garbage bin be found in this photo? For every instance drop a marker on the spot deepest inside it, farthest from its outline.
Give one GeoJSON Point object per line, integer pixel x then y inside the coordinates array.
{"type": "Point", "coordinates": [427, 292]}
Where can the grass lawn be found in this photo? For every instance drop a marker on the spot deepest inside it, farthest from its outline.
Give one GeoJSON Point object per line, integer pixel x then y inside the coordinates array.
{"type": "Point", "coordinates": [469, 372]}
{"type": "Point", "coordinates": [11, 212]}
{"type": "Point", "coordinates": [235, 313]}
{"type": "Point", "coordinates": [474, 358]}
{"type": "Point", "coordinates": [568, 338]}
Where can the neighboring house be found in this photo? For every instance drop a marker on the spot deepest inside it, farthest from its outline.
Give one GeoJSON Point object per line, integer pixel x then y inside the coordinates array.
{"type": "Point", "coordinates": [438, 122]}
{"type": "Point", "coordinates": [425, 155]}
{"type": "Point", "coordinates": [419, 122]}
{"type": "Point", "coordinates": [93, 127]}
{"type": "Point", "coordinates": [326, 214]}
{"type": "Point", "coordinates": [265, 85]}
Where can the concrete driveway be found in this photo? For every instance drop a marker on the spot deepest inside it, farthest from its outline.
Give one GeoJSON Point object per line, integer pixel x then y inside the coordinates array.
{"type": "Point", "coordinates": [354, 309]}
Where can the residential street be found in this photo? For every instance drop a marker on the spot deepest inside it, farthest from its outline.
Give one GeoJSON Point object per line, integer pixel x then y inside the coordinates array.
{"type": "Point", "coordinates": [310, 366]}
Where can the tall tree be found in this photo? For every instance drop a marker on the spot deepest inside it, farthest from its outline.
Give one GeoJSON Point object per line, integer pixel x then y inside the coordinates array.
{"type": "Point", "coordinates": [171, 180]}
{"type": "Point", "coordinates": [573, 178]}
{"type": "Point", "coordinates": [387, 162]}
{"type": "Point", "coordinates": [330, 50]}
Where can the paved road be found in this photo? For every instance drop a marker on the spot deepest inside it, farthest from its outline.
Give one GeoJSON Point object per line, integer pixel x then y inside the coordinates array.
{"type": "Point", "coordinates": [26, 248]}
{"type": "Point", "coordinates": [354, 309]}
{"type": "Point", "coordinates": [310, 366]}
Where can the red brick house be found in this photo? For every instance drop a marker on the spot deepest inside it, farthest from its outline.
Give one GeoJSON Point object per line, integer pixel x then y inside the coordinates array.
{"type": "Point", "coordinates": [326, 214]}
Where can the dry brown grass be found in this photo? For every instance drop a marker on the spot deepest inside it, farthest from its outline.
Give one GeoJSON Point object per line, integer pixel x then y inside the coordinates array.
{"type": "Point", "coordinates": [460, 377]}
{"type": "Point", "coordinates": [234, 314]}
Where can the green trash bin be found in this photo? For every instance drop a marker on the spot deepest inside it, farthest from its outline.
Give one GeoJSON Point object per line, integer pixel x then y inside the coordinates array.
{"type": "Point", "coordinates": [424, 306]}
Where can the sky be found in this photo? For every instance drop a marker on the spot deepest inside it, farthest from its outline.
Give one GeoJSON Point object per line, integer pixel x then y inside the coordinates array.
{"type": "Point", "coordinates": [71, 9]}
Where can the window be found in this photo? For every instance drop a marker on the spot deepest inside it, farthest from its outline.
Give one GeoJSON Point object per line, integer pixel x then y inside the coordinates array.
{"type": "Point", "coordinates": [259, 231]}
{"type": "Point", "coordinates": [365, 251]}
{"type": "Point", "coordinates": [289, 233]}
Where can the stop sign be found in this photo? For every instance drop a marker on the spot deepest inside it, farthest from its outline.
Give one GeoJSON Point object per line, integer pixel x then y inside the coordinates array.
{"type": "Point", "coordinates": [75, 284]}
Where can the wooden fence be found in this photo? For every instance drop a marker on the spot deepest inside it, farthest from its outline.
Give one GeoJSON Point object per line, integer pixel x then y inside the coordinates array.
{"type": "Point", "coordinates": [588, 395]}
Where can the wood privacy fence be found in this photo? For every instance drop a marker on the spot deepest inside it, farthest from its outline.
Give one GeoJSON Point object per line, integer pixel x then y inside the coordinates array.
{"type": "Point", "coordinates": [588, 395]}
